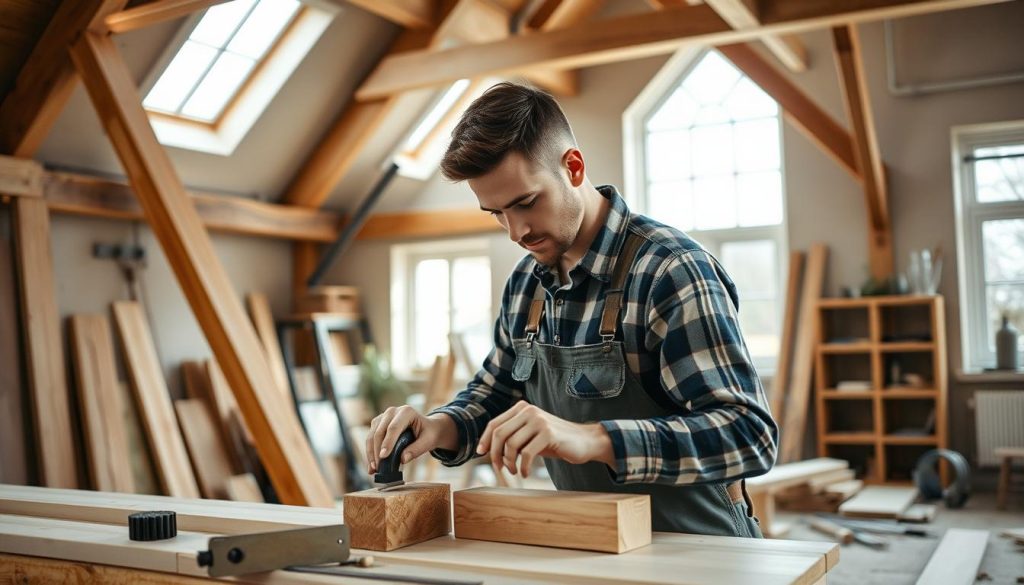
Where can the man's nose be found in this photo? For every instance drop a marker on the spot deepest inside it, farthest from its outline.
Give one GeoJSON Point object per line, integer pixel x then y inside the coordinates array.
{"type": "Point", "coordinates": [517, 229]}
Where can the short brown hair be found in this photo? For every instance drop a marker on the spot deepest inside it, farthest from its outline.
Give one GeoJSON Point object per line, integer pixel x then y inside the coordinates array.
{"type": "Point", "coordinates": [506, 118]}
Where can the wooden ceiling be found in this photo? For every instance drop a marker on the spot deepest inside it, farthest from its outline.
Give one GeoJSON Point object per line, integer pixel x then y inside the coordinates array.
{"type": "Point", "coordinates": [21, 24]}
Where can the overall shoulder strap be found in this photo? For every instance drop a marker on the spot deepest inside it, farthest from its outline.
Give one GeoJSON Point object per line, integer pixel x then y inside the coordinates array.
{"type": "Point", "coordinates": [613, 298]}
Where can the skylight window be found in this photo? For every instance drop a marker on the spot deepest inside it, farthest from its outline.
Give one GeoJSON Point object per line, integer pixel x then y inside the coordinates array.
{"type": "Point", "coordinates": [219, 56]}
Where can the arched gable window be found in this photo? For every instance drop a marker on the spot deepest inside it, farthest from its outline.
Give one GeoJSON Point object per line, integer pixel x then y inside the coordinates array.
{"type": "Point", "coordinates": [706, 157]}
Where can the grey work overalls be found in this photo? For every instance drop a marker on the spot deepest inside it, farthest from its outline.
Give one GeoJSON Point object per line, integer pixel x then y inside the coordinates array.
{"type": "Point", "coordinates": [591, 383]}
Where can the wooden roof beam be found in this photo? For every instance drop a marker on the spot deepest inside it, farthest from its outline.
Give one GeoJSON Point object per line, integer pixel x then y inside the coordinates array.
{"type": "Point", "coordinates": [625, 38]}
{"type": "Point", "coordinates": [797, 106]}
{"type": "Point", "coordinates": [407, 13]}
{"type": "Point", "coordinates": [557, 16]}
{"type": "Point", "coordinates": [865, 147]}
{"type": "Point", "coordinates": [281, 444]}
{"type": "Point", "coordinates": [155, 12]}
{"type": "Point", "coordinates": [743, 14]}
{"type": "Point", "coordinates": [47, 79]}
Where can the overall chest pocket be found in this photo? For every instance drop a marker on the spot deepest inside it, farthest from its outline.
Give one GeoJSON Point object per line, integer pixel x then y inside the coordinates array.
{"type": "Point", "coordinates": [596, 380]}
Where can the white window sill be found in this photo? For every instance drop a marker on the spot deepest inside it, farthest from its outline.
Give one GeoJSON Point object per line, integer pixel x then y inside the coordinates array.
{"type": "Point", "coordinates": [984, 376]}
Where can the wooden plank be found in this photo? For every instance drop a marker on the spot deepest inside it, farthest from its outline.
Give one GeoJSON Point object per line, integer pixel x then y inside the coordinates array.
{"type": "Point", "coordinates": [263, 320]}
{"type": "Point", "coordinates": [15, 443]}
{"type": "Point", "coordinates": [235, 433]}
{"type": "Point", "coordinates": [743, 14]}
{"type": "Point", "coordinates": [154, 402]}
{"type": "Point", "coordinates": [797, 106]}
{"type": "Point", "coordinates": [795, 421]}
{"type": "Point", "coordinates": [866, 152]}
{"type": "Point", "coordinates": [243, 488]}
{"type": "Point", "coordinates": [20, 176]}
{"type": "Point", "coordinates": [196, 381]}
{"type": "Point", "coordinates": [34, 569]}
{"type": "Point", "coordinates": [47, 79]}
{"type": "Point", "coordinates": [205, 447]}
{"type": "Point", "coordinates": [281, 443]}
{"type": "Point", "coordinates": [624, 38]}
{"type": "Point", "coordinates": [222, 517]}
{"type": "Point", "coordinates": [154, 12]}
{"type": "Point", "coordinates": [790, 474]}
{"type": "Point", "coordinates": [780, 381]}
{"type": "Point", "coordinates": [956, 559]}
{"type": "Point", "coordinates": [44, 349]}
{"type": "Point", "coordinates": [407, 13]}
{"type": "Point", "coordinates": [397, 518]}
{"type": "Point", "coordinates": [579, 520]}
{"type": "Point", "coordinates": [879, 502]}
{"type": "Point", "coordinates": [97, 197]}
{"type": "Point", "coordinates": [99, 400]}
{"type": "Point", "coordinates": [669, 559]}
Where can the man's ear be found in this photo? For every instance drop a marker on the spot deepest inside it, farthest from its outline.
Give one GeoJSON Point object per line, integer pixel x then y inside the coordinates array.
{"type": "Point", "coordinates": [572, 160]}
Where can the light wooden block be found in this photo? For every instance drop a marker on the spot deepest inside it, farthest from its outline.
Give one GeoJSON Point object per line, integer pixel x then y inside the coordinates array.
{"type": "Point", "coordinates": [564, 519]}
{"type": "Point", "coordinates": [392, 519]}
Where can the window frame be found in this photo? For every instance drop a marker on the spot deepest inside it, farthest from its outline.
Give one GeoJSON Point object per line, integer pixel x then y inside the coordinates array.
{"type": "Point", "coordinates": [634, 122]}
{"type": "Point", "coordinates": [970, 216]}
{"type": "Point", "coordinates": [223, 135]}
{"type": "Point", "coordinates": [404, 258]}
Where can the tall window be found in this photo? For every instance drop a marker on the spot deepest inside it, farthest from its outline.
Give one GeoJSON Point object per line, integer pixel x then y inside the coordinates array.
{"type": "Point", "coordinates": [218, 57]}
{"type": "Point", "coordinates": [439, 288]}
{"type": "Point", "coordinates": [989, 164]}
{"type": "Point", "coordinates": [712, 166]}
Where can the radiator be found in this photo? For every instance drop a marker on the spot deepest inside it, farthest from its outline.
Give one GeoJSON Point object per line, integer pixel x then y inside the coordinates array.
{"type": "Point", "coordinates": [999, 421]}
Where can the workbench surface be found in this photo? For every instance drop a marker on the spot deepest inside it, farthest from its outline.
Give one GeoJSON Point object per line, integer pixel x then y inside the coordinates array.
{"type": "Point", "coordinates": [45, 530]}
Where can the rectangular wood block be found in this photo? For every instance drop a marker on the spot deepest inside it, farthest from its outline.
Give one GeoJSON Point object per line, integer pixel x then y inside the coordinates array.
{"type": "Point", "coordinates": [407, 515]}
{"type": "Point", "coordinates": [564, 519]}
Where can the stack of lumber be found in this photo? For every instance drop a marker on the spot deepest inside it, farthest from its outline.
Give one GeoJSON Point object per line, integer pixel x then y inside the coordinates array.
{"type": "Point", "coordinates": [804, 476]}
{"type": "Point", "coordinates": [820, 494]}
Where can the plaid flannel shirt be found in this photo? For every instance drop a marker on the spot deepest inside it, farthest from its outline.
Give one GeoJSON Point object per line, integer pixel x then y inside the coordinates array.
{"type": "Point", "coordinates": [681, 339]}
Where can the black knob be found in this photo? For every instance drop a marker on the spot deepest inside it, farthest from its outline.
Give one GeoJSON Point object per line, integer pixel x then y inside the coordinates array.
{"type": "Point", "coordinates": [159, 525]}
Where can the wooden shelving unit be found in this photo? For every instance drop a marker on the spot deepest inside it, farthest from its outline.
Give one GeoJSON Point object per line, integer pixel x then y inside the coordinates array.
{"type": "Point", "coordinates": [880, 383]}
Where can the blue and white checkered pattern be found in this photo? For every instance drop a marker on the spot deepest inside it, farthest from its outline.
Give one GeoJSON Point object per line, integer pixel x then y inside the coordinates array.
{"type": "Point", "coordinates": [681, 338]}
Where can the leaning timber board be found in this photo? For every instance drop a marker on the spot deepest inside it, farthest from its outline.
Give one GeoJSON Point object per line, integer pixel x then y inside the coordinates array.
{"type": "Point", "coordinates": [205, 447]}
{"type": "Point", "coordinates": [879, 502]}
{"type": "Point", "coordinates": [154, 402]}
{"type": "Point", "coordinates": [99, 399]}
{"type": "Point", "coordinates": [581, 520]}
{"type": "Point", "coordinates": [669, 559]}
{"type": "Point", "coordinates": [956, 559]}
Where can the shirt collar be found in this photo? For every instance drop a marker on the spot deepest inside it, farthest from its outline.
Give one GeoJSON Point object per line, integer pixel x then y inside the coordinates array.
{"type": "Point", "coordinates": [599, 259]}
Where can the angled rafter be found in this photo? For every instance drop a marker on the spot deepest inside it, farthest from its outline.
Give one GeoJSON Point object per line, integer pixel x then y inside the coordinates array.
{"type": "Point", "coordinates": [408, 13]}
{"type": "Point", "coordinates": [742, 14]}
{"type": "Point", "coordinates": [45, 82]}
{"type": "Point", "coordinates": [556, 17]}
{"type": "Point", "coordinates": [624, 38]}
{"type": "Point", "coordinates": [279, 439]}
{"type": "Point", "coordinates": [865, 147]}
{"type": "Point", "coordinates": [155, 12]}
{"type": "Point", "coordinates": [797, 106]}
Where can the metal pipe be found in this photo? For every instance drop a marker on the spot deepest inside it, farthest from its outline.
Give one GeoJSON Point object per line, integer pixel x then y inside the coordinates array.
{"type": "Point", "coordinates": [348, 233]}
{"type": "Point", "coordinates": [939, 86]}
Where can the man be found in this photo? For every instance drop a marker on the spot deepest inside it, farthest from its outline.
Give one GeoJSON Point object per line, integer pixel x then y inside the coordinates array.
{"type": "Point", "coordinates": [617, 352]}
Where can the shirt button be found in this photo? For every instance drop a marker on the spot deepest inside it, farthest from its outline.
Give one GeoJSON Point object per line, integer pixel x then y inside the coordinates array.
{"type": "Point", "coordinates": [558, 302]}
{"type": "Point", "coordinates": [557, 340]}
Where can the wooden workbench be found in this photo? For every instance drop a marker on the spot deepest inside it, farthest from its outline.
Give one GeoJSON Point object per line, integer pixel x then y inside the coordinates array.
{"type": "Point", "coordinates": [80, 536]}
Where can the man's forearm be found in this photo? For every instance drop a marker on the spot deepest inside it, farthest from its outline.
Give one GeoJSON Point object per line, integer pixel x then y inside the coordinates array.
{"type": "Point", "coordinates": [447, 433]}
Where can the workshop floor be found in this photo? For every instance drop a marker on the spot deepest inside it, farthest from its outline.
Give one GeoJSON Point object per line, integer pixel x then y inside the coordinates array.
{"type": "Point", "coordinates": [907, 556]}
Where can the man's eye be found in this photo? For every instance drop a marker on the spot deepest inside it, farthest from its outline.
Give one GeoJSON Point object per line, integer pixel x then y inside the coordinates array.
{"type": "Point", "coordinates": [495, 213]}
{"type": "Point", "coordinates": [527, 205]}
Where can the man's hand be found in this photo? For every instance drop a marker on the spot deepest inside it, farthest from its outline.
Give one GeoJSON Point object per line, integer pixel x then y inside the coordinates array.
{"type": "Point", "coordinates": [525, 432]}
{"type": "Point", "coordinates": [432, 432]}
